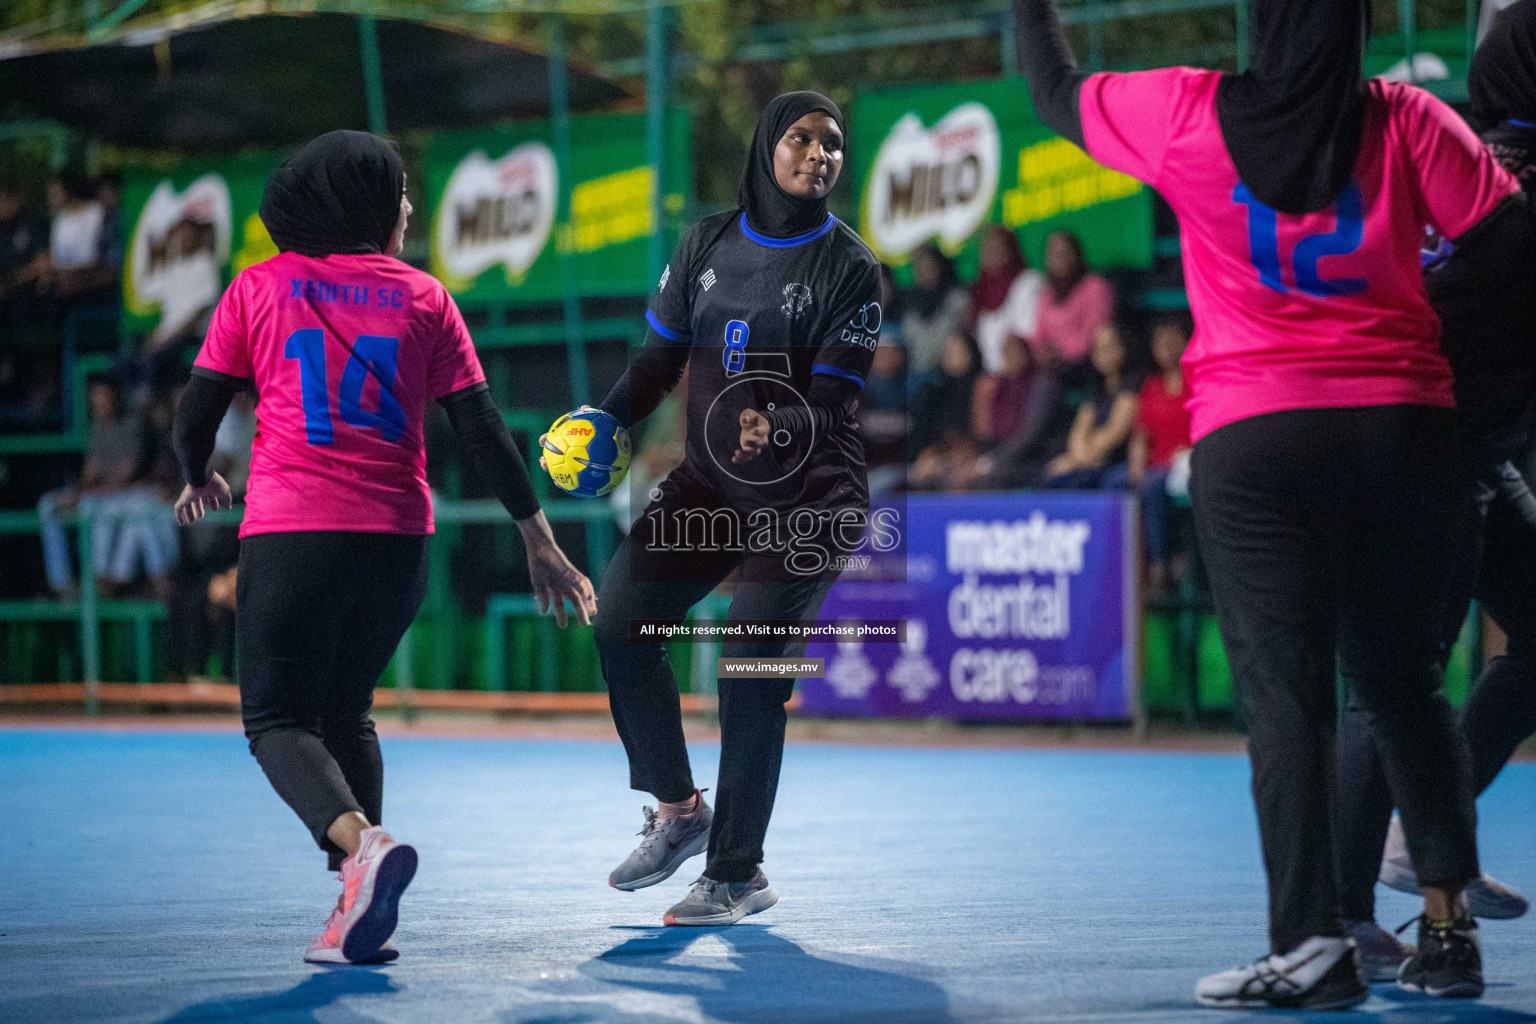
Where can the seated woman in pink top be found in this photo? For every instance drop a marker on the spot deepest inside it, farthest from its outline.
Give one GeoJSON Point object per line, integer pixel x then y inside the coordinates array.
{"type": "Point", "coordinates": [1328, 495]}
{"type": "Point", "coordinates": [1072, 307]}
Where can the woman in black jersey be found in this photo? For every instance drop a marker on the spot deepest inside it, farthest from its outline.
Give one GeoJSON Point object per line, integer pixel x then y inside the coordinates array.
{"type": "Point", "coordinates": [774, 310]}
{"type": "Point", "coordinates": [1481, 289]}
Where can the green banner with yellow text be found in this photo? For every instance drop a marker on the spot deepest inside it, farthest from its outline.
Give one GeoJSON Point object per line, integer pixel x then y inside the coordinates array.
{"type": "Point", "coordinates": [940, 163]}
{"type": "Point", "coordinates": [494, 195]}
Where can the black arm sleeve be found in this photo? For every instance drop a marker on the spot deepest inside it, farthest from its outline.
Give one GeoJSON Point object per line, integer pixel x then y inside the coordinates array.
{"type": "Point", "coordinates": [648, 380]}
{"type": "Point", "coordinates": [477, 422]}
{"type": "Point", "coordinates": [198, 415]}
{"type": "Point", "coordinates": [1045, 61]}
{"type": "Point", "coordinates": [829, 403]}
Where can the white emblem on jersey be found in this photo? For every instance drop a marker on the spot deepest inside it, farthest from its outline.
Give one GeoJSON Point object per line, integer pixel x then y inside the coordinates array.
{"type": "Point", "coordinates": [797, 299]}
{"type": "Point", "coordinates": [665, 276]}
{"type": "Point", "coordinates": [708, 280]}
{"type": "Point", "coordinates": [867, 319]}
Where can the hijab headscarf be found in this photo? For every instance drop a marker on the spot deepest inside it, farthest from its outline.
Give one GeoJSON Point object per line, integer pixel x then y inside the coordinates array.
{"type": "Point", "coordinates": [339, 194]}
{"type": "Point", "coordinates": [770, 210]}
{"type": "Point", "coordinates": [1292, 121]}
{"type": "Point", "coordinates": [1502, 80]}
{"type": "Point", "coordinates": [925, 302]}
{"type": "Point", "coordinates": [993, 283]}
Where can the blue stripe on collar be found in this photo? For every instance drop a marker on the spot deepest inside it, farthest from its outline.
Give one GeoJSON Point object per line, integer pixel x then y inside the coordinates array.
{"type": "Point", "coordinates": [787, 243]}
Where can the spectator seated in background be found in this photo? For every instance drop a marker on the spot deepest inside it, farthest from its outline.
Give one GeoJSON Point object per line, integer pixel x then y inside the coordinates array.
{"type": "Point", "coordinates": [942, 415]}
{"type": "Point", "coordinates": [1074, 304]}
{"type": "Point", "coordinates": [191, 284]}
{"type": "Point", "coordinates": [1161, 439]}
{"type": "Point", "coordinates": [131, 521]}
{"type": "Point", "coordinates": [1098, 443]}
{"type": "Point", "coordinates": [933, 310]}
{"type": "Point", "coordinates": [883, 417]}
{"type": "Point", "coordinates": [28, 386]}
{"type": "Point", "coordinates": [84, 259]}
{"type": "Point", "coordinates": [1021, 419]}
{"type": "Point", "coordinates": [1005, 297]}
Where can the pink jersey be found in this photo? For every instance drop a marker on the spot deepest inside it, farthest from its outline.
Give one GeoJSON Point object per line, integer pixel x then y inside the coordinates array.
{"type": "Point", "coordinates": [346, 352]}
{"type": "Point", "coordinates": [1299, 312]}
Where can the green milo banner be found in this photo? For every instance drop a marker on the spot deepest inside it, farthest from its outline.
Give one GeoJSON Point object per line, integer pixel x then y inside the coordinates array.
{"type": "Point", "coordinates": [941, 163]}
{"type": "Point", "coordinates": [494, 194]}
{"type": "Point", "coordinates": [190, 227]}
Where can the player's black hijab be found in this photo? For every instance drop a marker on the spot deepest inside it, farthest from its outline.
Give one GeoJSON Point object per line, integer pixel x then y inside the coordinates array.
{"type": "Point", "coordinates": [770, 210]}
{"type": "Point", "coordinates": [339, 194]}
{"type": "Point", "coordinates": [1292, 121]}
{"type": "Point", "coordinates": [1502, 81]}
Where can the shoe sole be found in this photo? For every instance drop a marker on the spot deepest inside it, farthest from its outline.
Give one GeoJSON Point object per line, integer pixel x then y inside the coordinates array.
{"type": "Point", "coordinates": [754, 904]}
{"type": "Point", "coordinates": [1491, 907]}
{"type": "Point", "coordinates": [1341, 1003]}
{"type": "Point", "coordinates": [1488, 908]}
{"type": "Point", "coordinates": [376, 923]}
{"type": "Point", "coordinates": [695, 846]}
{"type": "Point", "coordinates": [1403, 880]}
{"type": "Point", "coordinates": [1460, 990]}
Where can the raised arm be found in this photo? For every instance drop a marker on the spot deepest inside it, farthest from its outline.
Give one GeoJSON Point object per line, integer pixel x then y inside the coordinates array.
{"type": "Point", "coordinates": [1046, 62]}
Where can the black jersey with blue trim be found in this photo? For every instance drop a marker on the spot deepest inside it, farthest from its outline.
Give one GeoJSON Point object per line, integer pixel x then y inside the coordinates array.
{"type": "Point", "coordinates": [763, 317]}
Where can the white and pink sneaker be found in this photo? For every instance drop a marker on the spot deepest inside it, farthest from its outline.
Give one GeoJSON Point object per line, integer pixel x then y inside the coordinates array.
{"type": "Point", "coordinates": [359, 929]}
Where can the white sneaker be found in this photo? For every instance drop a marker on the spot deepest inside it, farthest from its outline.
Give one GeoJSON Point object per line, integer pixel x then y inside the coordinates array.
{"type": "Point", "coordinates": [1487, 897]}
{"type": "Point", "coordinates": [372, 880]}
{"type": "Point", "coordinates": [1320, 974]}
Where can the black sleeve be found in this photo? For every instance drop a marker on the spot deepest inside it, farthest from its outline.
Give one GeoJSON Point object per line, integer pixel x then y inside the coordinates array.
{"type": "Point", "coordinates": [203, 405]}
{"type": "Point", "coordinates": [648, 380]}
{"type": "Point", "coordinates": [478, 424]}
{"type": "Point", "coordinates": [829, 403]}
{"type": "Point", "coordinates": [668, 336]}
{"type": "Point", "coordinates": [1045, 61]}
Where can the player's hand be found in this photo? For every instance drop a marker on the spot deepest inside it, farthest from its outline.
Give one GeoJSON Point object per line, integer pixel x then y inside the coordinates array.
{"type": "Point", "coordinates": [754, 436]}
{"type": "Point", "coordinates": [555, 579]}
{"type": "Point", "coordinates": [196, 502]}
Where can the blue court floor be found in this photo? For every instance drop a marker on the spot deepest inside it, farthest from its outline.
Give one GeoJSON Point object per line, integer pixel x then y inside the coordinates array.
{"type": "Point", "coordinates": [155, 877]}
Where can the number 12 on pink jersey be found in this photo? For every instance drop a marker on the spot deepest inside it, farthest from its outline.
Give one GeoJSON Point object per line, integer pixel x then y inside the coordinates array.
{"type": "Point", "coordinates": [371, 354]}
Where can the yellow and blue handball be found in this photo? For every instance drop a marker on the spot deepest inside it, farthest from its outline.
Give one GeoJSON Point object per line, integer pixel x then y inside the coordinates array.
{"type": "Point", "coordinates": [587, 453]}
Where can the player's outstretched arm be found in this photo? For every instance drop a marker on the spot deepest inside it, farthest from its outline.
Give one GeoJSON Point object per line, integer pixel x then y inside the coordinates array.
{"type": "Point", "coordinates": [478, 424]}
{"type": "Point", "coordinates": [1046, 62]}
{"type": "Point", "coordinates": [198, 415]}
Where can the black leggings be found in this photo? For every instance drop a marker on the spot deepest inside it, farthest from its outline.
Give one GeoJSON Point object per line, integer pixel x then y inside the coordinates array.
{"type": "Point", "coordinates": [644, 582]}
{"type": "Point", "coordinates": [1499, 569]}
{"type": "Point", "coordinates": [1330, 534]}
{"type": "Point", "coordinates": [319, 615]}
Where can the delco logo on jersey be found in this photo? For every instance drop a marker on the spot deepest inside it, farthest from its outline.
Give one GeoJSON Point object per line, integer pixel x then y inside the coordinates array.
{"type": "Point", "coordinates": [179, 247]}
{"type": "Point", "coordinates": [934, 182]}
{"type": "Point", "coordinates": [495, 212]}
{"type": "Point", "coordinates": [864, 327]}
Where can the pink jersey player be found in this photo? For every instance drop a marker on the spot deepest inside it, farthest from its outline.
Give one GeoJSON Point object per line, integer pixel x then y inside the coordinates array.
{"type": "Point", "coordinates": [346, 352]}
{"type": "Point", "coordinates": [1311, 311]}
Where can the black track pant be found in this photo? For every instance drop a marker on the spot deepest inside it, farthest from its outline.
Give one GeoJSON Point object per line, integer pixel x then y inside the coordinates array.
{"type": "Point", "coordinates": [1331, 533]}
{"type": "Point", "coordinates": [1500, 559]}
{"type": "Point", "coordinates": [318, 616]}
{"type": "Point", "coordinates": [644, 581]}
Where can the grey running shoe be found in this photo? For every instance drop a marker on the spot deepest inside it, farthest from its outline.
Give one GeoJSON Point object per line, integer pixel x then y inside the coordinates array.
{"type": "Point", "coordinates": [713, 903]}
{"type": "Point", "coordinates": [1487, 897]}
{"type": "Point", "coordinates": [1319, 974]}
{"type": "Point", "coordinates": [666, 843]}
{"type": "Point", "coordinates": [1378, 949]}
